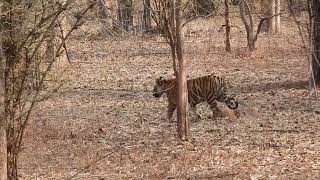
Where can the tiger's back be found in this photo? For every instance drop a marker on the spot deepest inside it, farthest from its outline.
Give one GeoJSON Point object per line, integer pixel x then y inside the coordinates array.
{"type": "Point", "coordinates": [207, 88]}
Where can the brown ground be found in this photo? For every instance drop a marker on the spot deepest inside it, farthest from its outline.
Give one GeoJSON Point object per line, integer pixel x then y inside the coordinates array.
{"type": "Point", "coordinates": [105, 124]}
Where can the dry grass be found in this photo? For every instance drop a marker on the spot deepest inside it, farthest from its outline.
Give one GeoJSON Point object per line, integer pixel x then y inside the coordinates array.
{"type": "Point", "coordinates": [106, 112]}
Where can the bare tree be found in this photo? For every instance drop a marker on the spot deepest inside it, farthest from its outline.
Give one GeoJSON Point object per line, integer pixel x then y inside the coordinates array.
{"type": "Point", "coordinates": [315, 15]}
{"type": "Point", "coordinates": [146, 15]}
{"type": "Point", "coordinates": [271, 9]}
{"type": "Point", "coordinates": [101, 4]}
{"type": "Point", "coordinates": [105, 18]}
{"type": "Point", "coordinates": [202, 7]}
{"type": "Point", "coordinates": [125, 17]}
{"type": "Point", "coordinates": [265, 11]}
{"type": "Point", "coordinates": [25, 31]}
{"type": "Point", "coordinates": [183, 121]}
{"type": "Point", "coordinates": [295, 7]}
{"type": "Point", "coordinates": [168, 16]}
{"type": "Point", "coordinates": [246, 16]}
{"type": "Point", "coordinates": [3, 122]}
{"type": "Point", "coordinates": [226, 16]}
{"type": "Point", "coordinates": [3, 132]}
{"type": "Point", "coordinates": [163, 14]}
{"type": "Point", "coordinates": [277, 15]}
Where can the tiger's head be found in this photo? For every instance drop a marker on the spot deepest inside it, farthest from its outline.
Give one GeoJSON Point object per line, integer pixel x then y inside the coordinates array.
{"type": "Point", "coordinates": [160, 87]}
{"type": "Point", "coordinates": [231, 103]}
{"type": "Point", "coordinates": [224, 97]}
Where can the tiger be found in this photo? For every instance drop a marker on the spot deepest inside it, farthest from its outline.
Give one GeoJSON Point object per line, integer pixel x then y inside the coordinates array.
{"type": "Point", "coordinates": [209, 88]}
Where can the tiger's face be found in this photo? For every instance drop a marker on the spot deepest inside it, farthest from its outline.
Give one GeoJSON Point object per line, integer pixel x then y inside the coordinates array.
{"type": "Point", "coordinates": [159, 87]}
{"type": "Point", "coordinates": [231, 103]}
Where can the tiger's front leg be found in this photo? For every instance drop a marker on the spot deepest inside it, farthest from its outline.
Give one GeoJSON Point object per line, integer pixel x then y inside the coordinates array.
{"type": "Point", "coordinates": [194, 110]}
{"type": "Point", "coordinates": [171, 109]}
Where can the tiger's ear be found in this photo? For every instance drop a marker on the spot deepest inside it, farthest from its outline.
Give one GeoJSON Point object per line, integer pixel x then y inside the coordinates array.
{"type": "Point", "coordinates": [161, 78]}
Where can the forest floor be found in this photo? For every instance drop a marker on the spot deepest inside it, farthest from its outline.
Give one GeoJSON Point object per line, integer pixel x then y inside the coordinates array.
{"type": "Point", "coordinates": [104, 122]}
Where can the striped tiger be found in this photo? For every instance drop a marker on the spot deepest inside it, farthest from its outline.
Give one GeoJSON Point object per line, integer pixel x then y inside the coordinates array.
{"type": "Point", "coordinates": [208, 88]}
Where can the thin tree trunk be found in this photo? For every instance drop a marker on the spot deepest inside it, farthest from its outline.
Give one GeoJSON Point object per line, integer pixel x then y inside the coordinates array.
{"type": "Point", "coordinates": [11, 36]}
{"type": "Point", "coordinates": [248, 23]}
{"type": "Point", "coordinates": [3, 133]}
{"type": "Point", "coordinates": [265, 12]}
{"type": "Point", "coordinates": [125, 14]}
{"type": "Point", "coordinates": [174, 60]}
{"type": "Point", "coordinates": [271, 21]}
{"type": "Point", "coordinates": [277, 17]}
{"type": "Point", "coordinates": [3, 149]}
{"type": "Point", "coordinates": [3, 122]}
{"type": "Point", "coordinates": [104, 14]}
{"type": "Point", "coordinates": [146, 15]}
{"type": "Point", "coordinates": [183, 121]}
{"type": "Point", "coordinates": [295, 7]}
{"type": "Point", "coordinates": [227, 41]}
{"type": "Point", "coordinates": [316, 40]}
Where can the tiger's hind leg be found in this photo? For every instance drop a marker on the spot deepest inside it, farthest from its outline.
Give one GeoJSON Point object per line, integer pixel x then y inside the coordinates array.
{"type": "Point", "coordinates": [214, 108]}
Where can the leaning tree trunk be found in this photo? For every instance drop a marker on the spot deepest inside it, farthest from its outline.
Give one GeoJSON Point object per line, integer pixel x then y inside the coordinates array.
{"type": "Point", "coordinates": [316, 40]}
{"type": "Point", "coordinates": [103, 12]}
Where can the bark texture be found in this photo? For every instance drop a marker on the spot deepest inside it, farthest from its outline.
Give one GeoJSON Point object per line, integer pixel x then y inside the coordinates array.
{"type": "Point", "coordinates": [316, 40]}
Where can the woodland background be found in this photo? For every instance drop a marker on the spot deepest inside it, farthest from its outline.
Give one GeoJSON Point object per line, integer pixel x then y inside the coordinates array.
{"type": "Point", "coordinates": [77, 99]}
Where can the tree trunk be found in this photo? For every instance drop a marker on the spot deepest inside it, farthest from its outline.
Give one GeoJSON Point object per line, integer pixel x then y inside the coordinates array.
{"type": "Point", "coordinates": [316, 40]}
{"type": "Point", "coordinates": [277, 17]}
{"type": "Point", "coordinates": [12, 34]}
{"type": "Point", "coordinates": [268, 9]}
{"type": "Point", "coordinates": [228, 44]}
{"type": "Point", "coordinates": [271, 21]}
{"type": "Point", "coordinates": [7, 60]}
{"type": "Point", "coordinates": [50, 50]}
{"type": "Point", "coordinates": [246, 17]}
{"type": "Point", "coordinates": [146, 15]}
{"type": "Point", "coordinates": [295, 7]}
{"type": "Point", "coordinates": [182, 110]}
{"type": "Point", "coordinates": [103, 12]}
{"type": "Point", "coordinates": [3, 148]}
{"type": "Point", "coordinates": [265, 12]}
{"type": "Point", "coordinates": [169, 19]}
{"type": "Point", "coordinates": [125, 14]}
{"type": "Point", "coordinates": [3, 122]}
